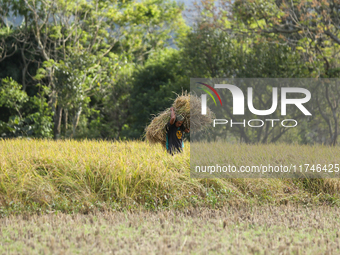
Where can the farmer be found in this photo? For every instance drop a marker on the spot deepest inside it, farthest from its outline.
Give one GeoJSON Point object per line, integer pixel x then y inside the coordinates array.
{"type": "Point", "coordinates": [174, 133]}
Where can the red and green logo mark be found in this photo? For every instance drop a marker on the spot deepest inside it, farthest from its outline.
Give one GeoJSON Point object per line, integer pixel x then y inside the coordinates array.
{"type": "Point", "coordinates": [209, 93]}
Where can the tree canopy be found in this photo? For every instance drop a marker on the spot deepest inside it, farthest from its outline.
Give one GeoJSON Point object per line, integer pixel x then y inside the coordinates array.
{"type": "Point", "coordinates": [101, 68]}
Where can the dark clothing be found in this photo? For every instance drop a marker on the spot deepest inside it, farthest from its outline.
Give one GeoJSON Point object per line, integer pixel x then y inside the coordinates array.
{"type": "Point", "coordinates": [174, 137]}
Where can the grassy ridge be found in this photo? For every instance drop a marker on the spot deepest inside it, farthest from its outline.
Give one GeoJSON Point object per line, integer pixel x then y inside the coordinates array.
{"type": "Point", "coordinates": [73, 176]}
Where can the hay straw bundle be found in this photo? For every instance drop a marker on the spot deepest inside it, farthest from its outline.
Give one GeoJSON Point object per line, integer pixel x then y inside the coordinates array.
{"type": "Point", "coordinates": [183, 104]}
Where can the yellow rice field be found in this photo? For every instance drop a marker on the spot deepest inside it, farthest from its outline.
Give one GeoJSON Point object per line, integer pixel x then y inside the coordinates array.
{"type": "Point", "coordinates": [80, 176]}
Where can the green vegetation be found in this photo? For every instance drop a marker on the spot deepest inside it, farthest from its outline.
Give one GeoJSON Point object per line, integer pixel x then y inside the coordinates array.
{"type": "Point", "coordinates": [81, 57]}
{"type": "Point", "coordinates": [74, 70]}
{"type": "Point", "coordinates": [101, 69]}
{"type": "Point", "coordinates": [45, 176]}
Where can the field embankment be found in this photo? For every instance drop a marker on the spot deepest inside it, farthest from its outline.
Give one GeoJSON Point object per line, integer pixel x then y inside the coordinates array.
{"type": "Point", "coordinates": [81, 176]}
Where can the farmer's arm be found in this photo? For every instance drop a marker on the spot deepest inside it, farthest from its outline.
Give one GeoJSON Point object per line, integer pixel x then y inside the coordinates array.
{"type": "Point", "coordinates": [187, 130]}
{"type": "Point", "coordinates": [172, 116]}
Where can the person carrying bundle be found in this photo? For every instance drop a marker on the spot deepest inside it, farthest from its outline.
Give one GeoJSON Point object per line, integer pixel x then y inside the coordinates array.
{"type": "Point", "coordinates": [174, 133]}
{"type": "Point", "coordinates": [169, 134]}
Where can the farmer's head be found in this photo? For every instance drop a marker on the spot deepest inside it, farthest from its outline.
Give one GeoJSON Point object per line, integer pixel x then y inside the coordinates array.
{"type": "Point", "coordinates": [179, 120]}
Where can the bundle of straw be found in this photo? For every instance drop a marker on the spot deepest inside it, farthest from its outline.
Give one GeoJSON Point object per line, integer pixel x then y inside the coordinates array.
{"type": "Point", "coordinates": [187, 105]}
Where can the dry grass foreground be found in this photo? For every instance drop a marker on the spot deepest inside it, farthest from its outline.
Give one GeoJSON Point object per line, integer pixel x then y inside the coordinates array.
{"type": "Point", "coordinates": [78, 176]}
{"type": "Point", "coordinates": [247, 230]}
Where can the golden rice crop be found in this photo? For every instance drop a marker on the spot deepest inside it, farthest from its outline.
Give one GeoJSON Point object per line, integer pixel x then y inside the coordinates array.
{"type": "Point", "coordinates": [79, 176]}
{"type": "Point", "coordinates": [187, 105]}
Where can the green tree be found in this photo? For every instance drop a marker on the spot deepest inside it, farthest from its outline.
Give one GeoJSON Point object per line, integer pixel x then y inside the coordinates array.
{"type": "Point", "coordinates": [82, 46]}
{"type": "Point", "coordinates": [310, 28]}
{"type": "Point", "coordinates": [35, 122]}
{"type": "Point", "coordinates": [154, 88]}
{"type": "Point", "coordinates": [213, 53]}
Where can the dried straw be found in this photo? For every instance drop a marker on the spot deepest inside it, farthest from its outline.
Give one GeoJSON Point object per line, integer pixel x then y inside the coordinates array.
{"type": "Point", "coordinates": [190, 107]}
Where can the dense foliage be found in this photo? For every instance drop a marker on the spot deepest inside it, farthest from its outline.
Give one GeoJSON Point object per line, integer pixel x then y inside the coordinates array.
{"type": "Point", "coordinates": [101, 68]}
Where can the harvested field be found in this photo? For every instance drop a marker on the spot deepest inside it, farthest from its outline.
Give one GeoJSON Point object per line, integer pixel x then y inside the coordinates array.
{"type": "Point", "coordinates": [243, 230]}
{"type": "Point", "coordinates": [96, 197]}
